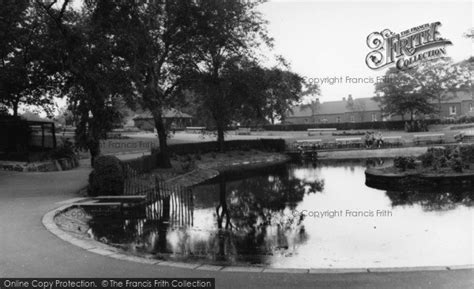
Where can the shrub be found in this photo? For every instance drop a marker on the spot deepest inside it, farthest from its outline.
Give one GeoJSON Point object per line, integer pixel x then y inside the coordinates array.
{"type": "Point", "coordinates": [440, 162]}
{"type": "Point", "coordinates": [467, 153]}
{"type": "Point", "coordinates": [454, 157]}
{"type": "Point", "coordinates": [456, 164]}
{"type": "Point", "coordinates": [404, 163]}
{"type": "Point", "coordinates": [197, 156]}
{"type": "Point", "coordinates": [65, 150]}
{"type": "Point", "coordinates": [426, 159]}
{"type": "Point", "coordinates": [187, 163]}
{"type": "Point", "coordinates": [107, 177]}
{"type": "Point", "coordinates": [455, 161]}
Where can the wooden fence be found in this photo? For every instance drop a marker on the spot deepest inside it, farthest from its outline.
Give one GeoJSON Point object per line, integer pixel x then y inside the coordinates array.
{"type": "Point", "coordinates": [166, 202]}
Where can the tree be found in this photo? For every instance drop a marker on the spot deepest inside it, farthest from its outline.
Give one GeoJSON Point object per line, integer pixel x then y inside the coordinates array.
{"type": "Point", "coordinates": [86, 59]}
{"type": "Point", "coordinates": [400, 95]}
{"type": "Point", "coordinates": [242, 83]}
{"type": "Point", "coordinates": [310, 90]}
{"type": "Point", "coordinates": [228, 32]}
{"type": "Point", "coordinates": [23, 79]}
{"type": "Point", "coordinates": [157, 41]}
{"type": "Point", "coordinates": [284, 90]}
{"type": "Point", "coordinates": [416, 91]}
{"type": "Point", "coordinates": [440, 79]}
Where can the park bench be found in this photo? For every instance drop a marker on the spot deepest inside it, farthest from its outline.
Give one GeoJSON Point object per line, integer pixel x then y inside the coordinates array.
{"type": "Point", "coordinates": [349, 142]}
{"type": "Point", "coordinates": [114, 135]}
{"type": "Point", "coordinates": [195, 129]}
{"type": "Point", "coordinates": [392, 140]}
{"type": "Point", "coordinates": [428, 138]}
{"type": "Point", "coordinates": [320, 131]}
{"type": "Point", "coordinates": [465, 136]}
{"type": "Point", "coordinates": [243, 131]}
{"type": "Point", "coordinates": [308, 143]}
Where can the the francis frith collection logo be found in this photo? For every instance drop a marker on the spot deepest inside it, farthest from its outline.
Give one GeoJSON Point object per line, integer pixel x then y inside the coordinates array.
{"type": "Point", "coordinates": [406, 48]}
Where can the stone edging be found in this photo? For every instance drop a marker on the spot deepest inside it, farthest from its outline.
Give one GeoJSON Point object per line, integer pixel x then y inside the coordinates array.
{"type": "Point", "coordinates": [111, 252]}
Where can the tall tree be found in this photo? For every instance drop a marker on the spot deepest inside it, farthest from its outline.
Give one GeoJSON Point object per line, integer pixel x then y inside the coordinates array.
{"type": "Point", "coordinates": [440, 78]}
{"type": "Point", "coordinates": [157, 42]}
{"type": "Point", "coordinates": [23, 79]}
{"type": "Point", "coordinates": [229, 32]}
{"type": "Point", "coordinates": [86, 59]}
{"type": "Point", "coordinates": [284, 89]}
{"type": "Point", "coordinates": [417, 90]}
{"type": "Point", "coordinates": [401, 95]}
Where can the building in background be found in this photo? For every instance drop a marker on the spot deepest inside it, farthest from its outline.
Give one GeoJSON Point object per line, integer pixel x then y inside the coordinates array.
{"type": "Point", "coordinates": [366, 109]}
{"type": "Point", "coordinates": [173, 118]}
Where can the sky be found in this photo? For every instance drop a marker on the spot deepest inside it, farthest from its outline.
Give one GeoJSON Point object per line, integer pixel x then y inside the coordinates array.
{"type": "Point", "coordinates": [328, 39]}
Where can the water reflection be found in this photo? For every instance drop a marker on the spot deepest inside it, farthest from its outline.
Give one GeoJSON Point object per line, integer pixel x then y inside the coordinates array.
{"type": "Point", "coordinates": [249, 219]}
{"type": "Point", "coordinates": [432, 200]}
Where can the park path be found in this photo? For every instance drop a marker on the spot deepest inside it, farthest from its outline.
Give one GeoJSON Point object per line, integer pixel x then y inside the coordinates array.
{"type": "Point", "coordinates": [27, 249]}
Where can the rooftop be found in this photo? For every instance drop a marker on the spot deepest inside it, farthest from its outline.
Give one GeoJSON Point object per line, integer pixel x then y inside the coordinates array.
{"type": "Point", "coordinates": [167, 113]}
{"type": "Point", "coordinates": [361, 104]}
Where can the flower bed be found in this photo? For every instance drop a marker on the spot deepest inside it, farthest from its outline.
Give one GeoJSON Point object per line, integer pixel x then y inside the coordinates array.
{"type": "Point", "coordinates": [439, 166]}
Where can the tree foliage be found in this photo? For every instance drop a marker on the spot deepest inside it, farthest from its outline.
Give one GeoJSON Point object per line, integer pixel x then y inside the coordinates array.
{"type": "Point", "coordinates": [87, 61]}
{"type": "Point", "coordinates": [228, 33]}
{"type": "Point", "coordinates": [417, 90]}
{"type": "Point", "coordinates": [156, 40]}
{"type": "Point", "coordinates": [23, 77]}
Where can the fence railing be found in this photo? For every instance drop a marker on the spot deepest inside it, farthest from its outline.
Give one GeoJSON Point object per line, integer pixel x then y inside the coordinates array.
{"type": "Point", "coordinates": [169, 203]}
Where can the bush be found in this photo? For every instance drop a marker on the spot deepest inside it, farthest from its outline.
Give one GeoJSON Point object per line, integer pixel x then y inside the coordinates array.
{"type": "Point", "coordinates": [107, 177]}
{"type": "Point", "coordinates": [65, 150]}
{"type": "Point", "coordinates": [404, 163]}
{"type": "Point", "coordinates": [454, 157]}
{"type": "Point", "coordinates": [143, 164]}
{"type": "Point", "coordinates": [467, 153]}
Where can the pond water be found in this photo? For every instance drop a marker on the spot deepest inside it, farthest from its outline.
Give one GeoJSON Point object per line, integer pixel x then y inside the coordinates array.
{"type": "Point", "coordinates": [303, 216]}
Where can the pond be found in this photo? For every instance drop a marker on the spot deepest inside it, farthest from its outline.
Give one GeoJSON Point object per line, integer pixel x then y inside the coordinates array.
{"type": "Point", "coordinates": [303, 216]}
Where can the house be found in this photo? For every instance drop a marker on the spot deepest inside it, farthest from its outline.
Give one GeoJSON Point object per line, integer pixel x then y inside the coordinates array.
{"type": "Point", "coordinates": [173, 119]}
{"type": "Point", "coordinates": [346, 110]}
{"type": "Point", "coordinates": [457, 104]}
{"type": "Point", "coordinates": [366, 109]}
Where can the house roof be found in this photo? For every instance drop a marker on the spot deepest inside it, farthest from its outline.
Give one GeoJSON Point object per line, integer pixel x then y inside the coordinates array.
{"type": "Point", "coordinates": [301, 111]}
{"type": "Point", "coordinates": [458, 96]}
{"type": "Point", "coordinates": [167, 113]}
{"type": "Point", "coordinates": [336, 107]}
{"type": "Point", "coordinates": [364, 104]}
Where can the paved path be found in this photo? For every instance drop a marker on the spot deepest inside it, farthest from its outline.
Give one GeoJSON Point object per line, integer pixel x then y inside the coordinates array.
{"type": "Point", "coordinates": [27, 249]}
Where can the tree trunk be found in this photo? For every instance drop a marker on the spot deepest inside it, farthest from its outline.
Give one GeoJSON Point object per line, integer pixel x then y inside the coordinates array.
{"type": "Point", "coordinates": [162, 138]}
{"type": "Point", "coordinates": [15, 109]}
{"type": "Point", "coordinates": [220, 138]}
{"type": "Point", "coordinates": [94, 149]}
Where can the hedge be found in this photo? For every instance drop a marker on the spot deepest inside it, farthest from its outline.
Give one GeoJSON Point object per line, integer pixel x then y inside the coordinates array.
{"type": "Point", "coordinates": [382, 125]}
{"type": "Point", "coordinates": [150, 162]}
